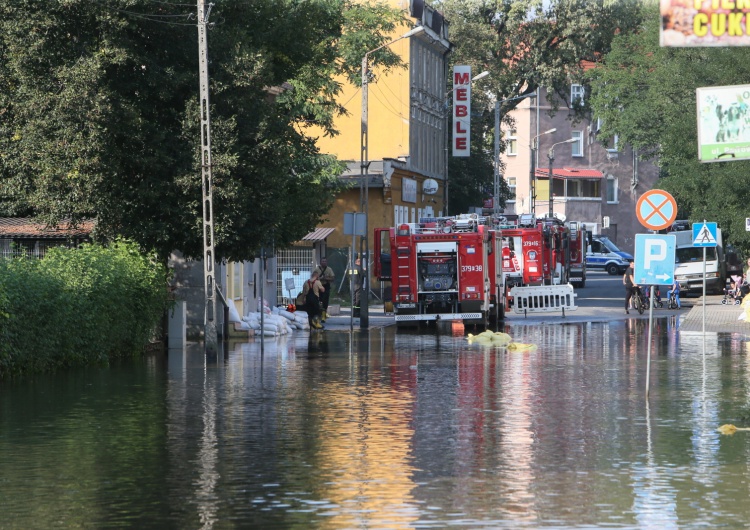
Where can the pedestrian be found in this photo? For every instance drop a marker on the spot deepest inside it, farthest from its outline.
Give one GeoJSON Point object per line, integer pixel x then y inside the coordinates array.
{"type": "Point", "coordinates": [628, 281]}
{"type": "Point", "coordinates": [675, 289]}
{"type": "Point", "coordinates": [312, 290]}
{"type": "Point", "coordinates": [327, 278]}
{"type": "Point", "coordinates": [358, 277]}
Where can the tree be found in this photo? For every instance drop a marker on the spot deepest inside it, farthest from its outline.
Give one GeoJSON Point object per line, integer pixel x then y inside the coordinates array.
{"type": "Point", "coordinates": [530, 44]}
{"type": "Point", "coordinates": [472, 177]}
{"type": "Point", "coordinates": [100, 115]}
{"type": "Point", "coordinates": [646, 95]}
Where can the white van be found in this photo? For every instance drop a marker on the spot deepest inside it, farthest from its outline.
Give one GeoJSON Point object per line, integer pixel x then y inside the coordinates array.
{"type": "Point", "coordinates": [688, 269]}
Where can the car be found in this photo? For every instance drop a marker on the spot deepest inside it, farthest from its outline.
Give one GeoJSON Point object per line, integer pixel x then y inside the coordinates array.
{"type": "Point", "coordinates": [602, 253]}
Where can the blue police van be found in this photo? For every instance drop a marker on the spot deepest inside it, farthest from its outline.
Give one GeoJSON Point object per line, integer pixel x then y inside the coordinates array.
{"type": "Point", "coordinates": [603, 254]}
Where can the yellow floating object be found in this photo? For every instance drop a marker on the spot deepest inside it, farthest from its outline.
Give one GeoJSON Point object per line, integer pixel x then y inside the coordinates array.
{"type": "Point", "coordinates": [520, 346]}
{"type": "Point", "coordinates": [501, 339]}
{"type": "Point", "coordinates": [731, 429]}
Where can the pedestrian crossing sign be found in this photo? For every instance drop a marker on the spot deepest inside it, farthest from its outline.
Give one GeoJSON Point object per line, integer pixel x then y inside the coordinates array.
{"type": "Point", "coordinates": [704, 234]}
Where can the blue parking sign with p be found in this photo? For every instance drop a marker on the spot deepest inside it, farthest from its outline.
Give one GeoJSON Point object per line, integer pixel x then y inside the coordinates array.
{"type": "Point", "coordinates": [654, 259]}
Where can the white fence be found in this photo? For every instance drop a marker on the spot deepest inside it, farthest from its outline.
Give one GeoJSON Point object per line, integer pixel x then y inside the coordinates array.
{"type": "Point", "coordinates": [543, 299]}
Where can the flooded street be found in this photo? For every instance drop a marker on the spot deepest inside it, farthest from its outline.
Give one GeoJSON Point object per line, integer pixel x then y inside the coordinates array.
{"type": "Point", "coordinates": [398, 429]}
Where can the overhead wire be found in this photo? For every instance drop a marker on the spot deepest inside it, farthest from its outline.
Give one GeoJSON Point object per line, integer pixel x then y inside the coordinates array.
{"type": "Point", "coordinates": [391, 110]}
{"type": "Point", "coordinates": [155, 18]}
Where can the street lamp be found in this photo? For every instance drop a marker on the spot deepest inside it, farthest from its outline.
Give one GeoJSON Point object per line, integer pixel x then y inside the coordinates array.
{"type": "Point", "coordinates": [364, 318]}
{"type": "Point", "coordinates": [477, 77]}
{"type": "Point", "coordinates": [532, 175]}
{"type": "Point", "coordinates": [551, 156]}
{"type": "Point", "coordinates": [496, 191]}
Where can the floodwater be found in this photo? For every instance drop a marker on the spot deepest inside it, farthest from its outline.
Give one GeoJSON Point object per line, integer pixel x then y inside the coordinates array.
{"type": "Point", "coordinates": [394, 430]}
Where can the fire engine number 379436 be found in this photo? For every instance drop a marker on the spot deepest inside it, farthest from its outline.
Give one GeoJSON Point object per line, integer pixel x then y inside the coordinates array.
{"type": "Point", "coordinates": [471, 268]}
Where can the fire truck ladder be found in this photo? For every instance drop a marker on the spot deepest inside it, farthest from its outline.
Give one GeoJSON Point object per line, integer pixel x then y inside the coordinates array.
{"type": "Point", "coordinates": [400, 272]}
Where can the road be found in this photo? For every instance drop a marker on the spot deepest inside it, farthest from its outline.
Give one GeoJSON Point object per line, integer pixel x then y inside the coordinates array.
{"type": "Point", "coordinates": [603, 299]}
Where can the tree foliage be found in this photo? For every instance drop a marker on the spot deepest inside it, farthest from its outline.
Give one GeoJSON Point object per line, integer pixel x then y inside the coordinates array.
{"type": "Point", "coordinates": [100, 117]}
{"type": "Point", "coordinates": [78, 306]}
{"type": "Point", "coordinates": [646, 95]}
{"type": "Point", "coordinates": [531, 44]}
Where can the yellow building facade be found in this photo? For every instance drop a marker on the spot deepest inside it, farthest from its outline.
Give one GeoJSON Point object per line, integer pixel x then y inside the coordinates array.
{"type": "Point", "coordinates": [407, 135]}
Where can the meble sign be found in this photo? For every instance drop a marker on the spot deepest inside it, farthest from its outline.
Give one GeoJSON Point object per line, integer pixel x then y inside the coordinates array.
{"type": "Point", "coordinates": [461, 110]}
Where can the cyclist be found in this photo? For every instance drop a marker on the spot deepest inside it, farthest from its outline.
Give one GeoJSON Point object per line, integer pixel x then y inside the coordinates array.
{"type": "Point", "coordinates": [676, 291]}
{"type": "Point", "coordinates": [628, 280]}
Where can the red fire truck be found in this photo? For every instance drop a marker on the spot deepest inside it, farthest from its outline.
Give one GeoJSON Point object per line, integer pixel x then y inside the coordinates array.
{"type": "Point", "coordinates": [441, 269]}
{"type": "Point", "coordinates": [578, 243]}
{"type": "Point", "coordinates": [537, 253]}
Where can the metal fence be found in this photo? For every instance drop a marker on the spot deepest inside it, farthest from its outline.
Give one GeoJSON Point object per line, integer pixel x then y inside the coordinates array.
{"type": "Point", "coordinates": [296, 264]}
{"type": "Point", "coordinates": [31, 249]}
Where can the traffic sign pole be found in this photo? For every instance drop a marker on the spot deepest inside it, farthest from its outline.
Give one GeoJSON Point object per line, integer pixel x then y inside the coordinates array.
{"type": "Point", "coordinates": [704, 235]}
{"type": "Point", "coordinates": [656, 210]}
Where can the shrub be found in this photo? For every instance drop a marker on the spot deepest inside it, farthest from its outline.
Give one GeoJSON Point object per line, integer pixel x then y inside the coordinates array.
{"type": "Point", "coordinates": [78, 306]}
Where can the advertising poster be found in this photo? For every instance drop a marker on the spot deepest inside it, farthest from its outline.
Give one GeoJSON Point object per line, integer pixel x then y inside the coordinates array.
{"type": "Point", "coordinates": [723, 123]}
{"type": "Point", "coordinates": [686, 23]}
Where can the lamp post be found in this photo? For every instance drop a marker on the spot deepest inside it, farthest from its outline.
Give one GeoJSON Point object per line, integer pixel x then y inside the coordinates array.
{"type": "Point", "coordinates": [551, 156]}
{"type": "Point", "coordinates": [532, 175]}
{"type": "Point", "coordinates": [364, 319]}
{"type": "Point", "coordinates": [496, 190]}
{"type": "Point", "coordinates": [477, 77]}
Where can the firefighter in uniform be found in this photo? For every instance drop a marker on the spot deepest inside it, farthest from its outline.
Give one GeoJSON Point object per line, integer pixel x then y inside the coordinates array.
{"type": "Point", "coordinates": [327, 277]}
{"type": "Point", "coordinates": [357, 276]}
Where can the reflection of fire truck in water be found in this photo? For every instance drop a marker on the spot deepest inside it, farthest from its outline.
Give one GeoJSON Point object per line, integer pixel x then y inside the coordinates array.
{"type": "Point", "coordinates": [459, 267]}
{"type": "Point", "coordinates": [440, 269]}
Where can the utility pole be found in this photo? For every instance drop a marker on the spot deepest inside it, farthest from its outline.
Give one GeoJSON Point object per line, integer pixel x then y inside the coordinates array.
{"type": "Point", "coordinates": [209, 259]}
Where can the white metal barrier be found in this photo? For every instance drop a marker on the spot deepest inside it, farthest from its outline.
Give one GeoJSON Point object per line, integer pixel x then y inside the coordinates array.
{"type": "Point", "coordinates": [543, 299]}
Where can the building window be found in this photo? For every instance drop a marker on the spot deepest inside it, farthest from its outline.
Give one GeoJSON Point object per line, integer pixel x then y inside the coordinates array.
{"type": "Point", "coordinates": [511, 143]}
{"type": "Point", "coordinates": [611, 189]}
{"type": "Point", "coordinates": [576, 147]}
{"type": "Point", "coordinates": [576, 94]}
{"type": "Point", "coordinates": [512, 187]}
{"type": "Point", "coordinates": [577, 189]}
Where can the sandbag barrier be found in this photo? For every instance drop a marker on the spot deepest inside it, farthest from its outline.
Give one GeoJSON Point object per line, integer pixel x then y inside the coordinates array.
{"type": "Point", "coordinates": [543, 299]}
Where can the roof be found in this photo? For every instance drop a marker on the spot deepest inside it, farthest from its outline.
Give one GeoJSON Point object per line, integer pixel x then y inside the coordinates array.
{"type": "Point", "coordinates": [570, 173]}
{"type": "Point", "coordinates": [320, 234]}
{"type": "Point", "coordinates": [16, 227]}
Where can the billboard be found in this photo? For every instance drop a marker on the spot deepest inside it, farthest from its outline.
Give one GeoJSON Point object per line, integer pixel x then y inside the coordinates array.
{"type": "Point", "coordinates": [686, 23]}
{"type": "Point", "coordinates": [723, 134]}
{"type": "Point", "coordinates": [461, 110]}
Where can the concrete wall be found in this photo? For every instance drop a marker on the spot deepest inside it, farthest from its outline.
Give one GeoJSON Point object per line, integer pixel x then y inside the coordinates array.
{"type": "Point", "coordinates": [188, 286]}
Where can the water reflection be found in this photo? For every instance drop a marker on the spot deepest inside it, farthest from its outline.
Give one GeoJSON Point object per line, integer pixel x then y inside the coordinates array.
{"type": "Point", "coordinates": [389, 429]}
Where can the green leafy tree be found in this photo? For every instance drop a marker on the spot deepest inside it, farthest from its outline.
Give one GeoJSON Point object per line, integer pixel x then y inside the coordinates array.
{"type": "Point", "coordinates": [100, 117]}
{"type": "Point", "coordinates": [472, 178]}
{"type": "Point", "coordinates": [646, 95]}
{"type": "Point", "coordinates": [529, 44]}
